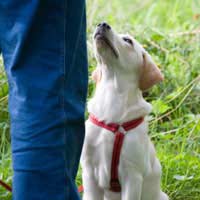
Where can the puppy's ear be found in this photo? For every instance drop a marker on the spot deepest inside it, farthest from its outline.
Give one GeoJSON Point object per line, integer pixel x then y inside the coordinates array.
{"type": "Point", "coordinates": [150, 74]}
{"type": "Point", "coordinates": [96, 75]}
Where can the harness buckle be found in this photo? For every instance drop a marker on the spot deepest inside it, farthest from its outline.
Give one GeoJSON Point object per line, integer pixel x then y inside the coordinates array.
{"type": "Point", "coordinates": [121, 129]}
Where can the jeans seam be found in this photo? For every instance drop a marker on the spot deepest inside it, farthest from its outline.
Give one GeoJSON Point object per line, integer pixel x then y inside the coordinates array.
{"type": "Point", "coordinates": [66, 189]}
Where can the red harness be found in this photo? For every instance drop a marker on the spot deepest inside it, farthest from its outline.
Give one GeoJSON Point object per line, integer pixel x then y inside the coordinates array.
{"type": "Point", "coordinates": [119, 131]}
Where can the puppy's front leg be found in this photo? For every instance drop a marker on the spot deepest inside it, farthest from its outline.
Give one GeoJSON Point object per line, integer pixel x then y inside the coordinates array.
{"type": "Point", "coordinates": [132, 186]}
{"type": "Point", "coordinates": [91, 189]}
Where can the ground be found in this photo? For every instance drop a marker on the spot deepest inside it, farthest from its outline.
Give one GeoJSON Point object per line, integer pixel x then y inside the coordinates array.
{"type": "Point", "coordinates": [170, 31]}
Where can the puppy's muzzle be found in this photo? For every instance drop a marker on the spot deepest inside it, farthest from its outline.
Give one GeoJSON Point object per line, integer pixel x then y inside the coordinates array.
{"type": "Point", "coordinates": [102, 29]}
{"type": "Point", "coordinates": [103, 33]}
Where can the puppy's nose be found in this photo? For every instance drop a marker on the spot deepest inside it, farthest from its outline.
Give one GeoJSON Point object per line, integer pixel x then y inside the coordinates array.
{"type": "Point", "coordinates": [104, 25]}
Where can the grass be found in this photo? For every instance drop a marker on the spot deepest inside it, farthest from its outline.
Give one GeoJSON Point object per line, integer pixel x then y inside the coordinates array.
{"type": "Point", "coordinates": [170, 31]}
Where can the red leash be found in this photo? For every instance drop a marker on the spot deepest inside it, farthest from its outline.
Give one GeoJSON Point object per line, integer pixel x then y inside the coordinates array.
{"type": "Point", "coordinates": [119, 131]}
{"type": "Point", "coordinates": [8, 188]}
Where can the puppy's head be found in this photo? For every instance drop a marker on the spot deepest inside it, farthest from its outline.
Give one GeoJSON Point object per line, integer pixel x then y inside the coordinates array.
{"type": "Point", "coordinates": [125, 54]}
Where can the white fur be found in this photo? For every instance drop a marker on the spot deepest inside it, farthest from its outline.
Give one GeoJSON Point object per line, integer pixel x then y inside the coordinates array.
{"type": "Point", "coordinates": [118, 99]}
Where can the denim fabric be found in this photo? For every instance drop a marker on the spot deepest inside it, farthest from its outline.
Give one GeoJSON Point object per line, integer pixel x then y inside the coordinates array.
{"type": "Point", "coordinates": [43, 43]}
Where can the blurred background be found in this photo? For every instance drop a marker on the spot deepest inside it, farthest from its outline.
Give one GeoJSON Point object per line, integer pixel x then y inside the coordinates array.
{"type": "Point", "coordinates": [170, 32]}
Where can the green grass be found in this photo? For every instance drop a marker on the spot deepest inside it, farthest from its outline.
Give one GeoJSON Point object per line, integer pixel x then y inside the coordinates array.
{"type": "Point", "coordinates": [168, 30]}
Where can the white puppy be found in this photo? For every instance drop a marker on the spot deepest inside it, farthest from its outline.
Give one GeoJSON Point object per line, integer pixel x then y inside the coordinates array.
{"type": "Point", "coordinates": [124, 70]}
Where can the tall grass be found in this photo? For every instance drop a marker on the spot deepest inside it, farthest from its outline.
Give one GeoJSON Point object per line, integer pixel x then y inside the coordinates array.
{"type": "Point", "coordinates": [5, 157]}
{"type": "Point", "coordinates": [170, 31]}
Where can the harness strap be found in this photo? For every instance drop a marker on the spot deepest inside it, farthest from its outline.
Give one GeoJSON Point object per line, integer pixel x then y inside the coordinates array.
{"type": "Point", "coordinates": [114, 181]}
{"type": "Point", "coordinates": [118, 142]}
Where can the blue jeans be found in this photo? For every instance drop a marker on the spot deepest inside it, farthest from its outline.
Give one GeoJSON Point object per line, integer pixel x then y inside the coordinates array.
{"type": "Point", "coordinates": [43, 43]}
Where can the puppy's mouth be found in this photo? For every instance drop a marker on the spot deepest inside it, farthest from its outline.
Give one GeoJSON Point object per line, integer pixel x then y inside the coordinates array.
{"type": "Point", "coordinates": [101, 37]}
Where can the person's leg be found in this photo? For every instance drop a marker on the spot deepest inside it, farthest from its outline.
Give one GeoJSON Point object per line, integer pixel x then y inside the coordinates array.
{"type": "Point", "coordinates": [75, 85]}
{"type": "Point", "coordinates": [44, 49]}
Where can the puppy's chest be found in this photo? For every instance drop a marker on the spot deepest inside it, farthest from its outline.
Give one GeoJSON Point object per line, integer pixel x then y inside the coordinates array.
{"type": "Point", "coordinates": [132, 153]}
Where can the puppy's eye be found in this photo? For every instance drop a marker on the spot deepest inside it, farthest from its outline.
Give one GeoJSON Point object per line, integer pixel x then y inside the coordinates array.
{"type": "Point", "coordinates": [128, 40]}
